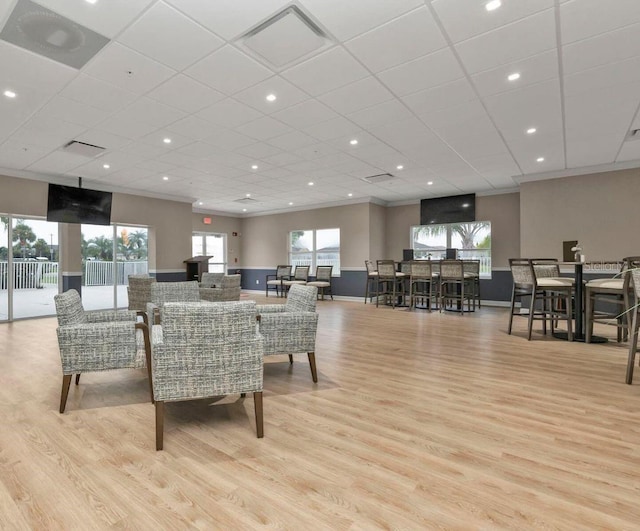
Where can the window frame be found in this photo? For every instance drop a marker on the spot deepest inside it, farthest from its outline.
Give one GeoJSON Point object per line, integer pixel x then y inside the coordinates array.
{"type": "Point", "coordinates": [483, 254]}
{"type": "Point", "coordinates": [335, 272]}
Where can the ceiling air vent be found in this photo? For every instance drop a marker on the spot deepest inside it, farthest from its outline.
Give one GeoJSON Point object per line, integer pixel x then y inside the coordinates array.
{"type": "Point", "coordinates": [634, 134]}
{"type": "Point", "coordinates": [245, 201]}
{"type": "Point", "coordinates": [286, 38]}
{"type": "Point", "coordinates": [46, 33]}
{"type": "Point", "coordinates": [80, 148]}
{"type": "Point", "coordinates": [376, 179]}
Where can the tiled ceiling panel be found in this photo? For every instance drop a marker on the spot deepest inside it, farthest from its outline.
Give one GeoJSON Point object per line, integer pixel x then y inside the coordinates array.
{"type": "Point", "coordinates": [419, 83]}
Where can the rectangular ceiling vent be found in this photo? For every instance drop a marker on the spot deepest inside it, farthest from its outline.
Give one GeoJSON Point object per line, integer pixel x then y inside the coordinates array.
{"type": "Point", "coordinates": [81, 148]}
{"type": "Point", "coordinates": [45, 32]}
{"type": "Point", "coordinates": [245, 201]}
{"type": "Point", "coordinates": [376, 179]}
{"type": "Point", "coordinates": [285, 39]}
{"type": "Point", "coordinates": [634, 134]}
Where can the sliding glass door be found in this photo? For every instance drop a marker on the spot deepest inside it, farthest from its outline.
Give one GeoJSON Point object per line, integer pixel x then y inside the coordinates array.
{"type": "Point", "coordinates": [29, 268]}
{"type": "Point", "coordinates": [109, 255]}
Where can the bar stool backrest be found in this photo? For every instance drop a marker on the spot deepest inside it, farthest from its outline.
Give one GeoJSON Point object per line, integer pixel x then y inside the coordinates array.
{"type": "Point", "coordinates": [471, 266]}
{"type": "Point", "coordinates": [522, 271]}
{"type": "Point", "coordinates": [386, 269]}
{"type": "Point", "coordinates": [370, 267]}
{"type": "Point", "coordinates": [420, 269]}
{"type": "Point", "coordinates": [453, 269]}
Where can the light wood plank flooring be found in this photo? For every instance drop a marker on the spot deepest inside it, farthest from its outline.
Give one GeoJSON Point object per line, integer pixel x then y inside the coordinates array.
{"type": "Point", "coordinates": [419, 421]}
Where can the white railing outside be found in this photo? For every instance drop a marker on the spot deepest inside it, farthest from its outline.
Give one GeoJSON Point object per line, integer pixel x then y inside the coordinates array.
{"type": "Point", "coordinates": [304, 261]}
{"type": "Point", "coordinates": [484, 255]}
{"type": "Point", "coordinates": [30, 274]}
{"type": "Point", "coordinates": [100, 273]}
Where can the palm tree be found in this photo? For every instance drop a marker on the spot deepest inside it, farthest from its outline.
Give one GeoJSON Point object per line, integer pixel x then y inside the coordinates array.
{"type": "Point", "coordinates": [23, 236]}
{"type": "Point", "coordinates": [138, 243]}
{"type": "Point", "coordinates": [101, 247]}
{"type": "Point", "coordinates": [467, 232]}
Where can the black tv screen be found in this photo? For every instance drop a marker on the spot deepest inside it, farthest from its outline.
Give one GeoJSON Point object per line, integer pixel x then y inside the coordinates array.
{"type": "Point", "coordinates": [67, 204]}
{"type": "Point", "coordinates": [450, 209]}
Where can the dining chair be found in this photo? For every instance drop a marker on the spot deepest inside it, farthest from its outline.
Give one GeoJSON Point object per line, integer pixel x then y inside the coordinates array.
{"type": "Point", "coordinates": [372, 279]}
{"type": "Point", "coordinates": [274, 282]}
{"type": "Point", "coordinates": [455, 288]}
{"type": "Point", "coordinates": [616, 293]}
{"type": "Point", "coordinates": [323, 280]}
{"type": "Point", "coordinates": [300, 277]}
{"type": "Point", "coordinates": [635, 323]}
{"type": "Point", "coordinates": [421, 282]}
{"type": "Point", "coordinates": [472, 272]}
{"type": "Point", "coordinates": [389, 282]}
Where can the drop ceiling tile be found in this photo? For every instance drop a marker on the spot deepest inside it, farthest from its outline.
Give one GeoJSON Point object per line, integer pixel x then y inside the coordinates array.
{"type": "Point", "coordinates": [292, 140]}
{"type": "Point", "coordinates": [96, 93]}
{"type": "Point", "coordinates": [630, 151]}
{"type": "Point", "coordinates": [144, 150]}
{"type": "Point", "coordinates": [107, 18]}
{"type": "Point", "coordinates": [286, 95]}
{"type": "Point", "coordinates": [185, 94]}
{"type": "Point", "coordinates": [29, 69]}
{"type": "Point", "coordinates": [127, 69]}
{"type": "Point", "coordinates": [413, 35]}
{"type": "Point", "coordinates": [325, 72]}
{"type": "Point", "coordinates": [229, 18]}
{"type": "Point", "coordinates": [229, 113]}
{"type": "Point", "coordinates": [169, 37]}
{"type": "Point", "coordinates": [605, 48]}
{"type": "Point", "coordinates": [440, 98]}
{"type": "Point", "coordinates": [425, 72]}
{"type": "Point", "coordinates": [57, 162]}
{"type": "Point", "coordinates": [199, 150]}
{"type": "Point", "coordinates": [315, 151]}
{"type": "Point", "coordinates": [152, 112]}
{"type": "Point", "coordinates": [524, 38]}
{"type": "Point", "coordinates": [75, 112]}
{"type": "Point", "coordinates": [304, 114]}
{"type": "Point", "coordinates": [282, 159]}
{"type": "Point", "coordinates": [337, 127]}
{"type": "Point", "coordinates": [16, 111]}
{"type": "Point", "coordinates": [121, 125]}
{"type": "Point", "coordinates": [47, 133]}
{"type": "Point", "coordinates": [610, 75]}
{"type": "Point", "coordinates": [463, 19]}
{"type": "Point", "coordinates": [494, 167]}
{"type": "Point", "coordinates": [259, 150]}
{"type": "Point", "coordinates": [157, 139]}
{"type": "Point", "coordinates": [405, 134]}
{"type": "Point", "coordinates": [192, 127]}
{"type": "Point", "coordinates": [359, 95]}
{"type": "Point", "coordinates": [585, 18]}
{"type": "Point", "coordinates": [383, 113]}
{"type": "Point", "coordinates": [263, 128]}
{"type": "Point", "coordinates": [532, 70]}
{"type": "Point", "coordinates": [18, 155]}
{"type": "Point", "coordinates": [228, 140]}
{"type": "Point", "coordinates": [228, 70]}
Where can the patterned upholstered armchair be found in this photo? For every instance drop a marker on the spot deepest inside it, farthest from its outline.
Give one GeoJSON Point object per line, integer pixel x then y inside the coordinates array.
{"type": "Point", "coordinates": [290, 328]}
{"type": "Point", "coordinates": [203, 350]}
{"type": "Point", "coordinates": [226, 289]}
{"type": "Point", "coordinates": [97, 341]}
{"type": "Point", "coordinates": [211, 280]}
{"type": "Point", "coordinates": [139, 293]}
{"type": "Point", "coordinates": [162, 292]}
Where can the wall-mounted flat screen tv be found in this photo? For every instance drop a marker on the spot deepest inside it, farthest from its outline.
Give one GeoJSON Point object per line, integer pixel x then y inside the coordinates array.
{"type": "Point", "coordinates": [450, 209]}
{"type": "Point", "coordinates": [67, 204]}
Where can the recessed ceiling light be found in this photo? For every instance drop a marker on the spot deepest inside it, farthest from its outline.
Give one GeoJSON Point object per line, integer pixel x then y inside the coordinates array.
{"type": "Point", "coordinates": [165, 178]}
{"type": "Point", "coordinates": [540, 159]}
{"type": "Point", "coordinates": [244, 209]}
{"type": "Point", "coordinates": [9, 94]}
{"type": "Point", "coordinates": [272, 97]}
{"type": "Point", "coordinates": [353, 142]}
{"type": "Point", "coordinates": [167, 141]}
{"type": "Point", "coordinates": [247, 195]}
{"type": "Point", "coordinates": [91, 1]}
{"type": "Point", "coordinates": [106, 166]}
{"type": "Point", "coordinates": [290, 203]}
{"type": "Point", "coordinates": [493, 5]}
{"type": "Point", "coordinates": [254, 167]}
{"type": "Point", "coordinates": [429, 183]}
{"type": "Point", "coordinates": [310, 183]}
{"type": "Point", "coordinates": [531, 130]}
{"type": "Point", "coordinates": [399, 167]}
{"type": "Point", "coordinates": [200, 203]}
{"type": "Point", "coordinates": [350, 195]}
{"type": "Point", "coordinates": [514, 76]}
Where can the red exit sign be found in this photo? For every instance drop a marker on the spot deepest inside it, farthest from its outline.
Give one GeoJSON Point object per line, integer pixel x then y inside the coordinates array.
{"type": "Point", "coordinates": [206, 221]}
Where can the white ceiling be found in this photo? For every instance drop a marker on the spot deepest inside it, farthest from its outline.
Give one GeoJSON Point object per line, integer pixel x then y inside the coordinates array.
{"type": "Point", "coordinates": [417, 83]}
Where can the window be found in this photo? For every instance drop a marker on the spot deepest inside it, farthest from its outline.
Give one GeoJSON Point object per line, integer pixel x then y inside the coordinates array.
{"type": "Point", "coordinates": [211, 244]}
{"type": "Point", "coordinates": [473, 241]}
{"type": "Point", "coordinates": [314, 248]}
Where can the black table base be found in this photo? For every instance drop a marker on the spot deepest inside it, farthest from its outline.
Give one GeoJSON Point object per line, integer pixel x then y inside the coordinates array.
{"type": "Point", "coordinates": [565, 336]}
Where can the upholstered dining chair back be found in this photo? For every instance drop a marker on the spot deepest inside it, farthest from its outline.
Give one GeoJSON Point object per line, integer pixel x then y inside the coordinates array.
{"type": "Point", "coordinates": [139, 291]}
{"type": "Point", "coordinates": [371, 269]}
{"type": "Point", "coordinates": [211, 280]}
{"type": "Point", "coordinates": [451, 269]}
{"type": "Point", "coordinates": [203, 350]}
{"type": "Point", "coordinates": [522, 271]}
{"type": "Point", "coordinates": [421, 269]}
{"type": "Point", "coordinates": [386, 269]}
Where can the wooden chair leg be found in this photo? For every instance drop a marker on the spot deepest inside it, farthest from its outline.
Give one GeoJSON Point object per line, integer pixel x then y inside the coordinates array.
{"type": "Point", "coordinates": [633, 345]}
{"type": "Point", "coordinates": [66, 382]}
{"type": "Point", "coordinates": [147, 354]}
{"type": "Point", "coordinates": [312, 364]}
{"type": "Point", "coordinates": [257, 402]}
{"type": "Point", "coordinates": [532, 306]}
{"type": "Point", "coordinates": [77, 378]}
{"type": "Point", "coordinates": [291, 359]}
{"type": "Point", "coordinates": [159, 424]}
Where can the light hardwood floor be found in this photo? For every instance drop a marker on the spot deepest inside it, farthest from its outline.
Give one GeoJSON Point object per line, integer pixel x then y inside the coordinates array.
{"type": "Point", "coordinates": [419, 421]}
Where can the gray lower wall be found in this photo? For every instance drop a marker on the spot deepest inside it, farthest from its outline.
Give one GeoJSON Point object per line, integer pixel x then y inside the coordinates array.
{"type": "Point", "coordinates": [352, 283]}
